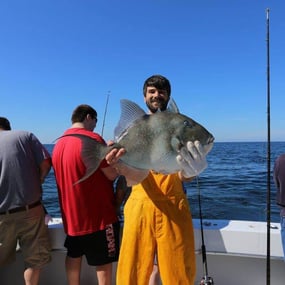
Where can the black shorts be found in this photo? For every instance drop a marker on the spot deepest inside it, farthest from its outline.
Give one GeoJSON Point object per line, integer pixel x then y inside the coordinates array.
{"type": "Point", "coordinates": [100, 247]}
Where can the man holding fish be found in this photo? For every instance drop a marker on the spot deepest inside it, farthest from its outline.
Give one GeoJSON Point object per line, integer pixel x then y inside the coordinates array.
{"type": "Point", "coordinates": [157, 218]}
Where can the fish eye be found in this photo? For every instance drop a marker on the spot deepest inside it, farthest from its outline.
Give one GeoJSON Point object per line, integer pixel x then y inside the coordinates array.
{"type": "Point", "coordinates": [188, 124]}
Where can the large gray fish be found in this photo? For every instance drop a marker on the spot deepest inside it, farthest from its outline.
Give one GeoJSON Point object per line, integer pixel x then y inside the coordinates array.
{"type": "Point", "coordinates": [151, 141]}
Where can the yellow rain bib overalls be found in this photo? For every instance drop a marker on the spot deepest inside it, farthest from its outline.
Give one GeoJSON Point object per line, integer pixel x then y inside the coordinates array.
{"type": "Point", "coordinates": [157, 222]}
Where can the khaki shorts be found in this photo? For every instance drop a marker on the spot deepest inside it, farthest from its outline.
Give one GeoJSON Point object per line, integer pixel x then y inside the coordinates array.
{"type": "Point", "coordinates": [28, 229]}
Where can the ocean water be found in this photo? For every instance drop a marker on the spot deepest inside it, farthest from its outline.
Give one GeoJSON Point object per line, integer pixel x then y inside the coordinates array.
{"type": "Point", "coordinates": [234, 186]}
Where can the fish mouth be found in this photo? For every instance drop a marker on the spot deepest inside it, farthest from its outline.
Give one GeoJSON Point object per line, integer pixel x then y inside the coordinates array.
{"type": "Point", "coordinates": [208, 147]}
{"type": "Point", "coordinates": [210, 140]}
{"type": "Point", "coordinates": [209, 144]}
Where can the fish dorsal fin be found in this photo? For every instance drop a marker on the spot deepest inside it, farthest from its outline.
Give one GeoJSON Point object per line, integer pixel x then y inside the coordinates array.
{"type": "Point", "coordinates": [172, 107]}
{"type": "Point", "coordinates": [130, 112]}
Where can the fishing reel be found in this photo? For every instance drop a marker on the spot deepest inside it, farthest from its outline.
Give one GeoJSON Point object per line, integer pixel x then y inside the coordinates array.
{"type": "Point", "coordinates": [206, 280]}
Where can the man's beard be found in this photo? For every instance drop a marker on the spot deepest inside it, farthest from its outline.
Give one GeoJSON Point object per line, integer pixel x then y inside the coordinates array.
{"type": "Point", "coordinates": [163, 106]}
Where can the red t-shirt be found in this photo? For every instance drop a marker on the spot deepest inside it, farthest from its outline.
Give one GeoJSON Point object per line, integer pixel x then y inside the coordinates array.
{"type": "Point", "coordinates": [88, 206]}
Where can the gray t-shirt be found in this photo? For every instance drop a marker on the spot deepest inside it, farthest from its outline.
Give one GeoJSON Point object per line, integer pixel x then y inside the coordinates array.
{"type": "Point", "coordinates": [21, 154]}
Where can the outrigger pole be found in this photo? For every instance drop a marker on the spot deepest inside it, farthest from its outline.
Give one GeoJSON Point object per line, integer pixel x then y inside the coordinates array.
{"type": "Point", "coordinates": [268, 154]}
{"type": "Point", "coordinates": [105, 112]}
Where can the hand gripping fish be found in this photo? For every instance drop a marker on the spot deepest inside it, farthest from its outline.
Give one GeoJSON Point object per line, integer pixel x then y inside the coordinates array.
{"type": "Point", "coordinates": [151, 142]}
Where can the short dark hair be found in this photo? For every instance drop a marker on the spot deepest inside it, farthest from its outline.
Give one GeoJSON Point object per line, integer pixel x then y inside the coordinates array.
{"type": "Point", "coordinates": [80, 113]}
{"type": "Point", "coordinates": [5, 124]}
{"type": "Point", "coordinates": [159, 82]}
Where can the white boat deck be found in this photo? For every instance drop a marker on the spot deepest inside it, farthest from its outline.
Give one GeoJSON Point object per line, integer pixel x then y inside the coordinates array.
{"type": "Point", "coordinates": [236, 255]}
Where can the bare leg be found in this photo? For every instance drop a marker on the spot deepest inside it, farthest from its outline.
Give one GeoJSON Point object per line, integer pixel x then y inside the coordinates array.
{"type": "Point", "coordinates": [104, 274]}
{"type": "Point", "coordinates": [73, 268]}
{"type": "Point", "coordinates": [32, 276]}
{"type": "Point", "coordinates": [154, 277]}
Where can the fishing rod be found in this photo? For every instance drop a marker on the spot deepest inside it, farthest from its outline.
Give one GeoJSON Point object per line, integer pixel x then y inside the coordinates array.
{"type": "Point", "coordinates": [105, 112]}
{"type": "Point", "coordinates": [206, 279]}
{"type": "Point", "coordinates": [268, 153]}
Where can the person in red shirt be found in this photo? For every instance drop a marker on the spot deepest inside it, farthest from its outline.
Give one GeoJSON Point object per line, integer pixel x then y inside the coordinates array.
{"type": "Point", "coordinates": [88, 208]}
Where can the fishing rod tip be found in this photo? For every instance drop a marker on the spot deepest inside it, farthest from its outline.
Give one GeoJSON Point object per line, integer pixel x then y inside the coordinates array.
{"type": "Point", "coordinates": [267, 13]}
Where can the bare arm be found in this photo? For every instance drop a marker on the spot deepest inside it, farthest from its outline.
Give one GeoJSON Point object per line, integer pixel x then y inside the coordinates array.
{"type": "Point", "coordinates": [110, 172]}
{"type": "Point", "coordinates": [45, 167]}
{"type": "Point", "coordinates": [122, 192]}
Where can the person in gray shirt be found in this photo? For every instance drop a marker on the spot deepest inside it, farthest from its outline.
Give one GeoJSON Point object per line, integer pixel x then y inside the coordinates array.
{"type": "Point", "coordinates": [24, 164]}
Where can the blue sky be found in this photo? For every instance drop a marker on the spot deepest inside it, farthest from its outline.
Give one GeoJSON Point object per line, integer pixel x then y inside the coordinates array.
{"type": "Point", "coordinates": [57, 54]}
